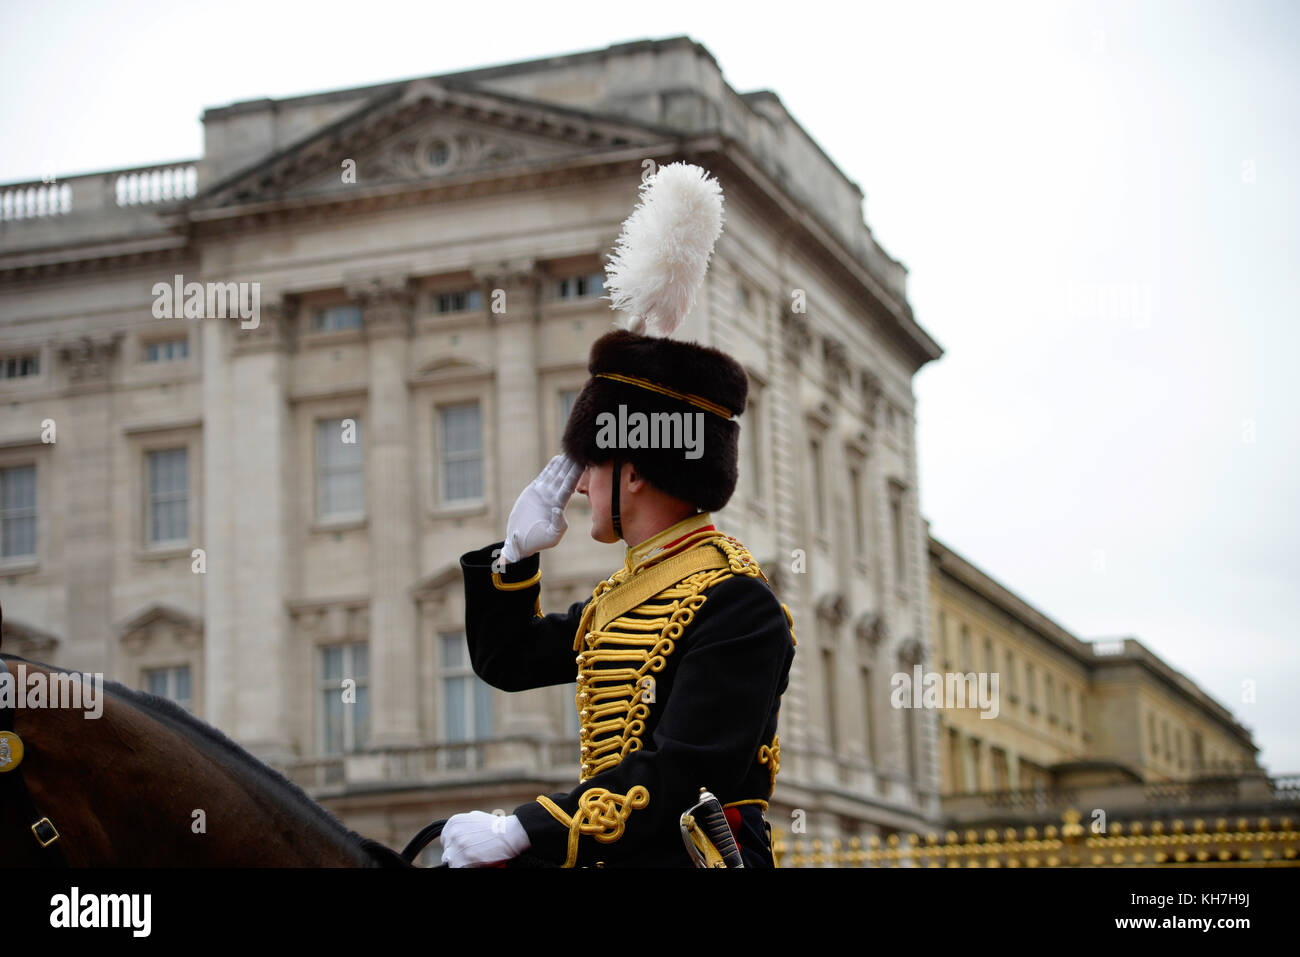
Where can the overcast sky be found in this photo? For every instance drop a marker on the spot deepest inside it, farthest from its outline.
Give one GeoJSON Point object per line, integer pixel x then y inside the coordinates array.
{"type": "Point", "coordinates": [1096, 202]}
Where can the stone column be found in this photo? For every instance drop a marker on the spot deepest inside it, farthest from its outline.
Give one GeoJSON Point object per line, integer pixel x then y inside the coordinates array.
{"type": "Point", "coordinates": [255, 554]}
{"type": "Point", "coordinates": [87, 438]}
{"type": "Point", "coordinates": [393, 516]}
{"type": "Point", "coordinates": [790, 343]}
{"type": "Point", "coordinates": [512, 290]}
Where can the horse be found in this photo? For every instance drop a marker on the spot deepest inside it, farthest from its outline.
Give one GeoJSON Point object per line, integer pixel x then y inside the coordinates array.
{"type": "Point", "coordinates": [147, 784]}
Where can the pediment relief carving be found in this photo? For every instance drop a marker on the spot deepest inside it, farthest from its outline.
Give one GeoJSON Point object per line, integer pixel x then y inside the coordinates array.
{"type": "Point", "coordinates": [161, 625]}
{"type": "Point", "coordinates": [27, 642]}
{"type": "Point", "coordinates": [334, 621]}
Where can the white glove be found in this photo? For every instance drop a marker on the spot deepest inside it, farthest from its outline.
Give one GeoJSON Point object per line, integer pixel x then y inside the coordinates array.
{"type": "Point", "coordinates": [477, 839]}
{"type": "Point", "coordinates": [537, 520]}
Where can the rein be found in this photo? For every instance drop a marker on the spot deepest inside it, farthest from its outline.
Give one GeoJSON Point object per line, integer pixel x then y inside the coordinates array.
{"type": "Point", "coordinates": [13, 785]}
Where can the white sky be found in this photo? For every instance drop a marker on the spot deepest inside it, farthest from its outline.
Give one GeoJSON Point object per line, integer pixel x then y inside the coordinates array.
{"type": "Point", "coordinates": [1097, 204]}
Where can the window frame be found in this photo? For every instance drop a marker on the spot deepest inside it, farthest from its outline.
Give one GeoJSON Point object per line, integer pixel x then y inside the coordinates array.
{"type": "Point", "coordinates": [441, 460]}
{"type": "Point", "coordinates": [348, 670]}
{"type": "Point", "coordinates": [319, 517]}
{"type": "Point", "coordinates": [24, 558]}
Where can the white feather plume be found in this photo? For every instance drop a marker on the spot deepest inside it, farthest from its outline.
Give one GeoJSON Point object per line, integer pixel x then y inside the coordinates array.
{"type": "Point", "coordinates": [662, 255]}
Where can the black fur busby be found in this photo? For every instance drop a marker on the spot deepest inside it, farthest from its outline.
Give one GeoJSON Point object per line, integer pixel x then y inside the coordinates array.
{"type": "Point", "coordinates": [673, 380]}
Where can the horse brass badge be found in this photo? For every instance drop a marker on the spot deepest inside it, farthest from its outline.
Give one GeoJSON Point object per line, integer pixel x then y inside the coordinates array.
{"type": "Point", "coordinates": [11, 751]}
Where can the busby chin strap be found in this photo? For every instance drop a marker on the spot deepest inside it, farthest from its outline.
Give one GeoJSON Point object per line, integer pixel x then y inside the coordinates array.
{"type": "Point", "coordinates": [616, 477]}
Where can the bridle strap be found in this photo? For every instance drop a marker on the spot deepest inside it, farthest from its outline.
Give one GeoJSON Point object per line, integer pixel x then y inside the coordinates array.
{"type": "Point", "coordinates": [616, 477]}
{"type": "Point", "coordinates": [12, 786]}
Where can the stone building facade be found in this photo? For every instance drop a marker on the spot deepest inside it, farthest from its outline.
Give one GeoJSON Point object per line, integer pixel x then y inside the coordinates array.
{"type": "Point", "coordinates": [260, 512]}
{"type": "Point", "coordinates": [1106, 716]}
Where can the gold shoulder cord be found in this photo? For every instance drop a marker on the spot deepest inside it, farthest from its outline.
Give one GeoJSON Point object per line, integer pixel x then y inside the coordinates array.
{"type": "Point", "coordinates": [618, 658]}
{"type": "Point", "coordinates": [601, 814]}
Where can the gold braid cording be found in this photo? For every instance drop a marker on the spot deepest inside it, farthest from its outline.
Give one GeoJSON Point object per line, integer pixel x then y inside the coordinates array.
{"type": "Point", "coordinates": [770, 754]}
{"type": "Point", "coordinates": [613, 698]}
{"type": "Point", "coordinates": [601, 814]}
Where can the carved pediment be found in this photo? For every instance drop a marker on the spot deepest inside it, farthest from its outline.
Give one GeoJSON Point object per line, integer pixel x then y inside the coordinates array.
{"type": "Point", "coordinates": [324, 621]}
{"type": "Point", "coordinates": [423, 132]}
{"type": "Point", "coordinates": [28, 642]}
{"type": "Point", "coordinates": [160, 623]}
{"type": "Point", "coordinates": [450, 367]}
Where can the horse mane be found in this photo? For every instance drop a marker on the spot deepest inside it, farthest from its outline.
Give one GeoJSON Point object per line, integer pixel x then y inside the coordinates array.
{"type": "Point", "coordinates": [219, 744]}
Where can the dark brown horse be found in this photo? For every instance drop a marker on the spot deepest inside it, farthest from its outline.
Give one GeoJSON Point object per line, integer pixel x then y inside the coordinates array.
{"type": "Point", "coordinates": [123, 789]}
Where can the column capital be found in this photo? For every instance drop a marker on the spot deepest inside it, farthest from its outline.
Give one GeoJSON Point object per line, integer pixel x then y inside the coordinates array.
{"type": "Point", "coordinates": [387, 302]}
{"type": "Point", "coordinates": [89, 359]}
{"type": "Point", "coordinates": [274, 331]}
{"type": "Point", "coordinates": [519, 271]}
{"type": "Point", "coordinates": [796, 334]}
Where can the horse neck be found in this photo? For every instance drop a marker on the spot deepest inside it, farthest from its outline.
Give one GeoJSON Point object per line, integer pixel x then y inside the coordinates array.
{"type": "Point", "coordinates": [139, 788]}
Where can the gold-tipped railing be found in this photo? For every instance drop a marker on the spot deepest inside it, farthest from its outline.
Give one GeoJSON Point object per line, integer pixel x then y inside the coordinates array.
{"type": "Point", "coordinates": [1268, 841]}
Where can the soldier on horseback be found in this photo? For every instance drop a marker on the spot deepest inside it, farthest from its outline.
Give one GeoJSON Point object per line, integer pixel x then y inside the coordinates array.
{"type": "Point", "coordinates": [681, 656]}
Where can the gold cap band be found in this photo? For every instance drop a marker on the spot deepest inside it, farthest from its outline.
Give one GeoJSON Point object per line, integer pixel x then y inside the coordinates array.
{"type": "Point", "coordinates": [695, 400]}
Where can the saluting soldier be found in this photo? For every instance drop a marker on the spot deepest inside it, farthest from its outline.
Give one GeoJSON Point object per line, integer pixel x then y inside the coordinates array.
{"type": "Point", "coordinates": [681, 656]}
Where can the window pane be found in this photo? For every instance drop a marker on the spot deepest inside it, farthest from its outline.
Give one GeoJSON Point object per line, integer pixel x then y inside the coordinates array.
{"type": "Point", "coordinates": [183, 684]}
{"type": "Point", "coordinates": [332, 663]}
{"type": "Point", "coordinates": [361, 719]}
{"type": "Point", "coordinates": [464, 479]}
{"type": "Point", "coordinates": [454, 709]}
{"type": "Point", "coordinates": [360, 660]}
{"type": "Point", "coordinates": [482, 709]}
{"type": "Point", "coordinates": [155, 681]}
{"type": "Point", "coordinates": [460, 426]}
{"type": "Point", "coordinates": [18, 511]}
{"type": "Point", "coordinates": [332, 711]}
{"type": "Point", "coordinates": [453, 651]}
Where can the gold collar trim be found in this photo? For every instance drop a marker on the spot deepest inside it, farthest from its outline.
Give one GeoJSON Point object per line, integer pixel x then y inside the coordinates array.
{"type": "Point", "coordinates": [655, 547]}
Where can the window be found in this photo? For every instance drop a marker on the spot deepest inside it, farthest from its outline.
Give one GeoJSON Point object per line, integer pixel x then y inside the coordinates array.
{"type": "Point", "coordinates": [172, 683]}
{"type": "Point", "coordinates": [896, 522]}
{"type": "Point", "coordinates": [340, 470]}
{"type": "Point", "coordinates": [819, 501]}
{"type": "Point", "coordinates": [344, 695]}
{"type": "Point", "coordinates": [567, 398]}
{"type": "Point", "coordinates": [1151, 732]}
{"type": "Point", "coordinates": [466, 699]}
{"type": "Point", "coordinates": [1050, 690]}
{"type": "Point", "coordinates": [990, 660]}
{"type": "Point", "coordinates": [580, 287]}
{"type": "Point", "coordinates": [467, 300]}
{"type": "Point", "coordinates": [167, 350]}
{"type": "Point", "coordinates": [742, 297]}
{"type": "Point", "coordinates": [859, 535]}
{"type": "Point", "coordinates": [1011, 674]}
{"type": "Point", "coordinates": [1031, 692]}
{"type": "Point", "coordinates": [18, 512]}
{"type": "Point", "coordinates": [169, 496]}
{"type": "Point", "coordinates": [334, 318]}
{"type": "Point", "coordinates": [942, 637]}
{"type": "Point", "coordinates": [462, 453]}
{"type": "Point", "coordinates": [965, 650]}
{"type": "Point", "coordinates": [865, 673]}
{"type": "Point", "coordinates": [751, 435]}
{"type": "Point", "coordinates": [19, 367]}
{"type": "Point", "coordinates": [828, 673]}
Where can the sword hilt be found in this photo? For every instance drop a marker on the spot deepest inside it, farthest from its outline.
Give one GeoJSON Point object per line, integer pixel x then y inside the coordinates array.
{"type": "Point", "coordinates": [707, 834]}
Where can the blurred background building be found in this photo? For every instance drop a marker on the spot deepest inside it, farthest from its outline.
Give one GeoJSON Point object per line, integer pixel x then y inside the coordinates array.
{"type": "Point", "coordinates": [253, 516]}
